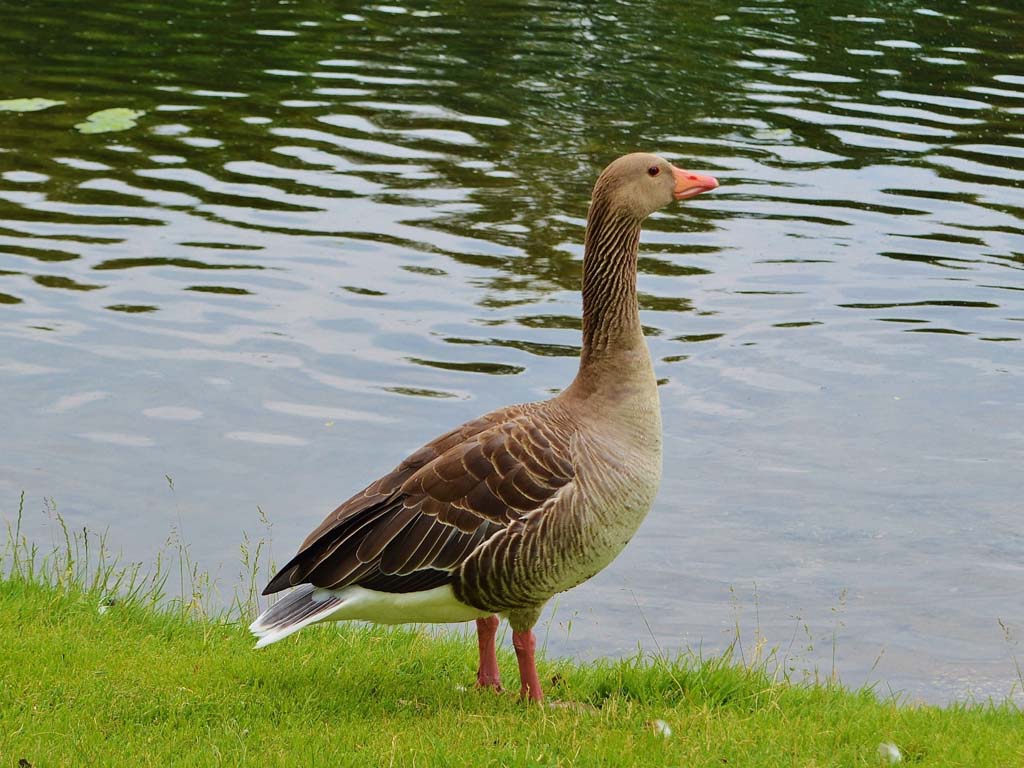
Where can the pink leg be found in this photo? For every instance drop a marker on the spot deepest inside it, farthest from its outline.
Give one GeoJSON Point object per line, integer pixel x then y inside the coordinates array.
{"type": "Point", "coordinates": [488, 675]}
{"type": "Point", "coordinates": [526, 644]}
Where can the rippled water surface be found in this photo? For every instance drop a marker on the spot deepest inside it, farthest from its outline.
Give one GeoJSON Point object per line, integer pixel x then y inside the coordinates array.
{"type": "Point", "coordinates": [340, 229]}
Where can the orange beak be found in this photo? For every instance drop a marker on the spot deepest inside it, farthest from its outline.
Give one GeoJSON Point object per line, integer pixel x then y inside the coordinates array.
{"type": "Point", "coordinates": [691, 184]}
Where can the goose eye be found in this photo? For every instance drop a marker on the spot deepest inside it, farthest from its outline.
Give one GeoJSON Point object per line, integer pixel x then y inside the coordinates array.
{"type": "Point", "coordinates": [653, 170]}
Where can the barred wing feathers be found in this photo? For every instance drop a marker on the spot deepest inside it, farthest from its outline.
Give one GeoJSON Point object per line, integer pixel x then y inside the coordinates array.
{"type": "Point", "coordinates": [411, 530]}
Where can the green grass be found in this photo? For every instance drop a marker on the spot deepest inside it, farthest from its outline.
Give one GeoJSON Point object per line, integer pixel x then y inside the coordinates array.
{"type": "Point", "coordinates": [85, 680]}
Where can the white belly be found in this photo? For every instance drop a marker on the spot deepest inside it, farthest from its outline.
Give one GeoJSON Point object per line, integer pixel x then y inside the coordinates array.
{"type": "Point", "coordinates": [434, 606]}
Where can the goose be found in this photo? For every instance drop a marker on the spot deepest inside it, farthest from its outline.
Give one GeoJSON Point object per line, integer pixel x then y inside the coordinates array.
{"type": "Point", "coordinates": [500, 514]}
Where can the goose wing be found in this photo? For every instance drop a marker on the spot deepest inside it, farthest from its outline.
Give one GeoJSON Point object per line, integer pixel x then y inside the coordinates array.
{"type": "Point", "coordinates": [411, 529]}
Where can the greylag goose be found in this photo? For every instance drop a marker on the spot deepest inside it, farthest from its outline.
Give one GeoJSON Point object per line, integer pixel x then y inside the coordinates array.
{"type": "Point", "coordinates": [502, 513]}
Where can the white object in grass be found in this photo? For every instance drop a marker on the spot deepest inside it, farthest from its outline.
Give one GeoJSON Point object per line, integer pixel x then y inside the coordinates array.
{"type": "Point", "coordinates": [661, 727]}
{"type": "Point", "coordinates": [889, 752]}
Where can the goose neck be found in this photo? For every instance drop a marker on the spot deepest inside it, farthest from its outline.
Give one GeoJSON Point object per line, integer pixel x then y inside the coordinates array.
{"type": "Point", "coordinates": [611, 316]}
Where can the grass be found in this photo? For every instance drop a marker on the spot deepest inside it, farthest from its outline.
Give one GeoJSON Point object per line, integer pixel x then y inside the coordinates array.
{"type": "Point", "coordinates": [98, 667]}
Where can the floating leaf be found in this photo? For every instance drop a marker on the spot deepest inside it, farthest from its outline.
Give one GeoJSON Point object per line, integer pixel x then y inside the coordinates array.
{"type": "Point", "coordinates": [107, 120]}
{"type": "Point", "coordinates": [773, 134]}
{"type": "Point", "coordinates": [27, 105]}
{"type": "Point", "coordinates": [132, 308]}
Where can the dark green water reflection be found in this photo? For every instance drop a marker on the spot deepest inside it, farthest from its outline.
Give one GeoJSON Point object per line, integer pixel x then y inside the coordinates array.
{"type": "Point", "coordinates": [340, 228]}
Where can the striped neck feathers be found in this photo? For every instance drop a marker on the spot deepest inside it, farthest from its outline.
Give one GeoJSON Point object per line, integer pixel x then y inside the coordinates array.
{"type": "Point", "coordinates": [611, 316]}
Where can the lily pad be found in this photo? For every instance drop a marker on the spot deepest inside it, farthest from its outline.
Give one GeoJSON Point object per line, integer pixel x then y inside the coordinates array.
{"type": "Point", "coordinates": [773, 134]}
{"type": "Point", "coordinates": [27, 105]}
{"type": "Point", "coordinates": [108, 120]}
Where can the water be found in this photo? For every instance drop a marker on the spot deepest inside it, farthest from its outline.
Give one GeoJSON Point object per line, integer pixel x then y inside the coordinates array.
{"type": "Point", "coordinates": [341, 229]}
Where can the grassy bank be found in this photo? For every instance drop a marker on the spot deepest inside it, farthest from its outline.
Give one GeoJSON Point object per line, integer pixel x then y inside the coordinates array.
{"type": "Point", "coordinates": [86, 680]}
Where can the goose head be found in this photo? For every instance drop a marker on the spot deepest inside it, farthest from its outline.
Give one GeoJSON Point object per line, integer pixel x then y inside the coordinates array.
{"type": "Point", "coordinates": [640, 183]}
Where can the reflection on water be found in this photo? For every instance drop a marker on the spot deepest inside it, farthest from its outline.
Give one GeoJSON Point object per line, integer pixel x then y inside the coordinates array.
{"type": "Point", "coordinates": [340, 229]}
